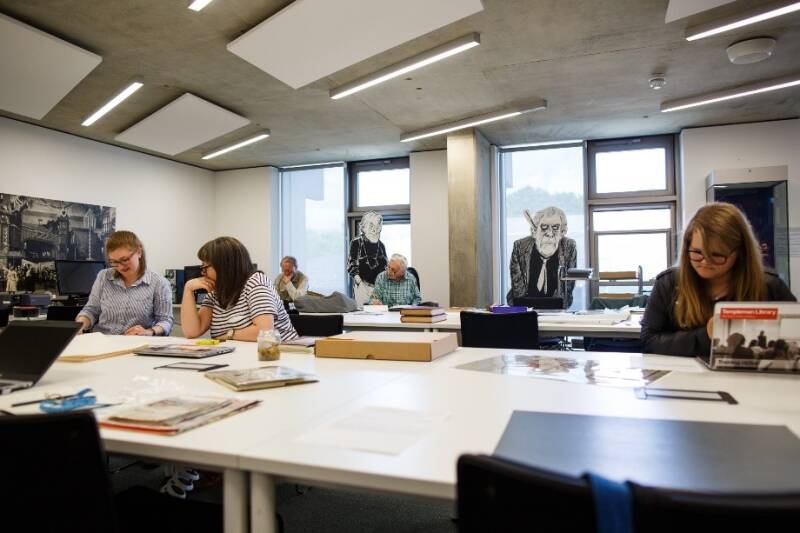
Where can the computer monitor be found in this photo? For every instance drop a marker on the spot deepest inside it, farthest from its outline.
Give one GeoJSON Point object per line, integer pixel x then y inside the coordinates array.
{"type": "Point", "coordinates": [75, 278]}
{"type": "Point", "coordinates": [543, 302]}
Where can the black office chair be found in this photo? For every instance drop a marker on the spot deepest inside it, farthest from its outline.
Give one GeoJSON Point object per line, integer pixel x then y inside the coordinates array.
{"type": "Point", "coordinates": [413, 272]}
{"type": "Point", "coordinates": [63, 312]}
{"type": "Point", "coordinates": [55, 479]}
{"type": "Point", "coordinates": [497, 495]}
{"type": "Point", "coordinates": [5, 312]}
{"type": "Point", "coordinates": [500, 330]}
{"type": "Point", "coordinates": [317, 325]}
{"type": "Point", "coordinates": [666, 511]}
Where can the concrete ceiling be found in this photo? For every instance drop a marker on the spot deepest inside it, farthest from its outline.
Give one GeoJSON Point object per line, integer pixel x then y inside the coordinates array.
{"type": "Point", "coordinates": [590, 59]}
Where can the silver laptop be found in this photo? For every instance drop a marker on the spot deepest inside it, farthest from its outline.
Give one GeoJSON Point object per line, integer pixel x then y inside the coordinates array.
{"type": "Point", "coordinates": [27, 349]}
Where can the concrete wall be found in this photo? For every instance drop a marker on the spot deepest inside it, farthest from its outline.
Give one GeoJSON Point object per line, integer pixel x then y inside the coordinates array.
{"type": "Point", "coordinates": [168, 205]}
{"type": "Point", "coordinates": [245, 207]}
{"type": "Point", "coordinates": [430, 225]}
{"type": "Point", "coordinates": [761, 144]}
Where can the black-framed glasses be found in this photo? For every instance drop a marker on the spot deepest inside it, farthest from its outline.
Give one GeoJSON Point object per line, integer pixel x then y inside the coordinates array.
{"type": "Point", "coordinates": [698, 256]}
{"type": "Point", "coordinates": [121, 260]}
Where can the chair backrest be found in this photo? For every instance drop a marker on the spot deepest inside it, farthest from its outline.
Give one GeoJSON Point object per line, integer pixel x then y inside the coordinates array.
{"type": "Point", "coordinates": [317, 325]}
{"type": "Point", "coordinates": [54, 473]}
{"type": "Point", "coordinates": [500, 330]}
{"type": "Point", "coordinates": [63, 312]}
{"type": "Point", "coordinates": [413, 272]}
{"type": "Point", "coordinates": [659, 510]}
{"type": "Point", "coordinates": [5, 311]}
{"type": "Point", "coordinates": [498, 495]}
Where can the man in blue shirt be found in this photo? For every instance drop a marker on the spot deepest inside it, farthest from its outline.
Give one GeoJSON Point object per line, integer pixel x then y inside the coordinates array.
{"type": "Point", "coordinates": [395, 286]}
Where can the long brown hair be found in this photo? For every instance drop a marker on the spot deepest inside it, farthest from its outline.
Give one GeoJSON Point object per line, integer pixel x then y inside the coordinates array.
{"type": "Point", "coordinates": [724, 229]}
{"type": "Point", "coordinates": [233, 266]}
{"type": "Point", "coordinates": [127, 239]}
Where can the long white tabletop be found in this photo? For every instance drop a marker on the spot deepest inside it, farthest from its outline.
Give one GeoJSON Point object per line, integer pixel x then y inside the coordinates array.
{"type": "Point", "coordinates": [266, 444]}
{"type": "Point", "coordinates": [563, 325]}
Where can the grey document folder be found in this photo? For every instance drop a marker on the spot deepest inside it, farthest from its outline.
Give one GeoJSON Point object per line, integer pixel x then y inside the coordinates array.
{"type": "Point", "coordinates": [696, 456]}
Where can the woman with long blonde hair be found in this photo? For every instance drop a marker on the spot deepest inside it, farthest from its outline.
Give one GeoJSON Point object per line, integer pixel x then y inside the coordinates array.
{"type": "Point", "coordinates": [719, 261]}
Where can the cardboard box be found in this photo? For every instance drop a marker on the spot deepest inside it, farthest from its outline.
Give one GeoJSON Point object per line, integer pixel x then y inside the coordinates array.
{"type": "Point", "coordinates": [396, 346]}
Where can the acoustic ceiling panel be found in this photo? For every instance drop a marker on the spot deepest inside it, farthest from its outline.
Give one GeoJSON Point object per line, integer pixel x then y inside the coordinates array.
{"type": "Point", "coordinates": [37, 69]}
{"type": "Point", "coordinates": [310, 39]}
{"type": "Point", "coordinates": [182, 124]}
{"type": "Point", "coordinates": [678, 9]}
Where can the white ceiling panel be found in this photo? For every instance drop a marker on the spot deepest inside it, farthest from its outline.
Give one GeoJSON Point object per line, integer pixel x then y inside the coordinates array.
{"type": "Point", "coordinates": [182, 124]}
{"type": "Point", "coordinates": [678, 9]}
{"type": "Point", "coordinates": [37, 69]}
{"type": "Point", "coordinates": [311, 39]}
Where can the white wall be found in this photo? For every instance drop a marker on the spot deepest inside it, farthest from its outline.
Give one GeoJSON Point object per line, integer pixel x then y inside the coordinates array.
{"type": "Point", "coordinates": [244, 204]}
{"type": "Point", "coordinates": [429, 224]}
{"type": "Point", "coordinates": [761, 144]}
{"type": "Point", "coordinates": [168, 205]}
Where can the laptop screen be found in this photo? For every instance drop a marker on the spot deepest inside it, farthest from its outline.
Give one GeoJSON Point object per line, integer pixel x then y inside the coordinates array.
{"type": "Point", "coordinates": [27, 349]}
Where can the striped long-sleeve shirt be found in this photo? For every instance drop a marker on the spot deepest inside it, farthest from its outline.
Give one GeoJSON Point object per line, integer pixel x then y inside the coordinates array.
{"type": "Point", "coordinates": [113, 308]}
{"type": "Point", "coordinates": [258, 297]}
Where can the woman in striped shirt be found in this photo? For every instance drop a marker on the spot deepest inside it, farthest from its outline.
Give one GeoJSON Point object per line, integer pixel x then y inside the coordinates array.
{"type": "Point", "coordinates": [128, 299]}
{"type": "Point", "coordinates": [241, 300]}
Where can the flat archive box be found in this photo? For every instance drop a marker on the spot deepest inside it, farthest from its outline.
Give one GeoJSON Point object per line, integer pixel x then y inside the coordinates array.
{"type": "Point", "coordinates": [395, 346]}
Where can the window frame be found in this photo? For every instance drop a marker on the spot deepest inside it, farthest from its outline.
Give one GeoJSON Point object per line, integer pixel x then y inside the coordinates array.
{"type": "Point", "coordinates": [354, 167]}
{"type": "Point", "coordinates": [628, 144]}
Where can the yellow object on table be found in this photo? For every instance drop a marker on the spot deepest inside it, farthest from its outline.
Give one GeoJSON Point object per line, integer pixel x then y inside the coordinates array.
{"type": "Point", "coordinates": [207, 342]}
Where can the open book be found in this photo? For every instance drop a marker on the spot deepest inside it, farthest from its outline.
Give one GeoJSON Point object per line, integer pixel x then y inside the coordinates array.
{"type": "Point", "coordinates": [177, 414]}
{"type": "Point", "coordinates": [94, 346]}
{"type": "Point", "coordinates": [264, 377]}
{"type": "Point", "coordinates": [300, 345]}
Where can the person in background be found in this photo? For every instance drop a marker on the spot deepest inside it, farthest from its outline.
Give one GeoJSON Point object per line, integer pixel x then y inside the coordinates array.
{"type": "Point", "coordinates": [395, 286]}
{"type": "Point", "coordinates": [720, 260]}
{"type": "Point", "coordinates": [241, 300]}
{"type": "Point", "coordinates": [290, 283]}
{"type": "Point", "coordinates": [127, 299]}
{"type": "Point", "coordinates": [367, 256]}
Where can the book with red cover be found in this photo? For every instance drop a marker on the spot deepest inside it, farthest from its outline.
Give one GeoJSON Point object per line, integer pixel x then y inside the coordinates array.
{"type": "Point", "coordinates": [420, 310]}
{"type": "Point", "coordinates": [424, 319]}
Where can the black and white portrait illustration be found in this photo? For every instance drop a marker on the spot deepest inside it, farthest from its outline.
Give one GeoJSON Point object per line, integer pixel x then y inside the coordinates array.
{"type": "Point", "coordinates": [537, 260]}
{"type": "Point", "coordinates": [34, 232]}
{"type": "Point", "coordinates": [367, 256]}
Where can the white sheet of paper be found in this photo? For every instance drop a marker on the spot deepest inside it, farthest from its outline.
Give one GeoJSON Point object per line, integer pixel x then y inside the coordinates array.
{"type": "Point", "coordinates": [375, 429]}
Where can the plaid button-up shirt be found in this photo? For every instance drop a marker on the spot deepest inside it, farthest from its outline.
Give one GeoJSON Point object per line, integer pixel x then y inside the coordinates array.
{"type": "Point", "coordinates": [401, 292]}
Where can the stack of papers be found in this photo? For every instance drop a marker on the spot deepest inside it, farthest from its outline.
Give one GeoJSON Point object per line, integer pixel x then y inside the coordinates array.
{"type": "Point", "coordinates": [174, 415]}
{"type": "Point", "coordinates": [264, 377]}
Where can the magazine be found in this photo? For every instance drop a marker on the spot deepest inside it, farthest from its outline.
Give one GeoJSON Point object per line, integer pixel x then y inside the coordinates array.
{"type": "Point", "coordinates": [264, 377]}
{"type": "Point", "coordinates": [190, 351]}
{"type": "Point", "coordinates": [175, 415]}
{"type": "Point", "coordinates": [758, 336]}
{"type": "Point", "coordinates": [586, 371]}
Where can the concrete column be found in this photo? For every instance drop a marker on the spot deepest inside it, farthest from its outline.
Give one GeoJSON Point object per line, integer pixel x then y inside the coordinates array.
{"type": "Point", "coordinates": [470, 217]}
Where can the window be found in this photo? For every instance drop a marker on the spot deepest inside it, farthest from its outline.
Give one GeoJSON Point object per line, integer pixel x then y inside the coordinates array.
{"type": "Point", "coordinates": [313, 225]}
{"type": "Point", "coordinates": [383, 186]}
{"type": "Point", "coordinates": [535, 178]}
{"type": "Point", "coordinates": [632, 207]}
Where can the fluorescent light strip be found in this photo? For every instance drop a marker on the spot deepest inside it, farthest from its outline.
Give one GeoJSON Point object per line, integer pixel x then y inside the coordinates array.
{"type": "Point", "coordinates": [329, 163]}
{"type": "Point", "coordinates": [765, 12]}
{"type": "Point", "coordinates": [237, 145]}
{"type": "Point", "coordinates": [114, 102]}
{"type": "Point", "coordinates": [470, 122]}
{"type": "Point", "coordinates": [540, 144]}
{"type": "Point", "coordinates": [197, 5]}
{"type": "Point", "coordinates": [728, 94]}
{"type": "Point", "coordinates": [403, 67]}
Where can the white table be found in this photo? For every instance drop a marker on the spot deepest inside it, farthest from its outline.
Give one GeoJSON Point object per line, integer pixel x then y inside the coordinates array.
{"type": "Point", "coordinates": [548, 325]}
{"type": "Point", "coordinates": [479, 406]}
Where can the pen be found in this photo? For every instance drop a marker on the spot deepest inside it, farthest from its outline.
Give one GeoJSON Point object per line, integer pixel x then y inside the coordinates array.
{"type": "Point", "coordinates": [31, 402]}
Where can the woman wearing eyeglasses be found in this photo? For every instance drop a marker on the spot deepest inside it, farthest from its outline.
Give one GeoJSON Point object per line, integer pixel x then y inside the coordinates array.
{"type": "Point", "coordinates": [241, 300]}
{"type": "Point", "coordinates": [720, 260]}
{"type": "Point", "coordinates": [128, 299]}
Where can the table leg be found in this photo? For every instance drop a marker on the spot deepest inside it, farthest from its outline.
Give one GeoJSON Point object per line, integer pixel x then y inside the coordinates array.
{"type": "Point", "coordinates": [262, 503]}
{"type": "Point", "coordinates": [234, 500]}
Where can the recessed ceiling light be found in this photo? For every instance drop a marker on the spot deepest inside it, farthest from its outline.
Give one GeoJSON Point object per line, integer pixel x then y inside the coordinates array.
{"type": "Point", "coordinates": [114, 102]}
{"type": "Point", "coordinates": [407, 65]}
{"type": "Point", "coordinates": [197, 5]}
{"type": "Point", "coordinates": [765, 12]}
{"type": "Point", "coordinates": [728, 94]}
{"type": "Point", "coordinates": [251, 140]}
{"type": "Point", "coordinates": [472, 121]}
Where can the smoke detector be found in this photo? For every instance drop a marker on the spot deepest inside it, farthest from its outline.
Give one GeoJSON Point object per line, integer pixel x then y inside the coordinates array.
{"type": "Point", "coordinates": [751, 50]}
{"type": "Point", "coordinates": [657, 82]}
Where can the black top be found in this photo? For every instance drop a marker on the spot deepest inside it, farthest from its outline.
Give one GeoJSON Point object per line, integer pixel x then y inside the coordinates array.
{"type": "Point", "coordinates": [551, 275]}
{"type": "Point", "coordinates": [367, 259]}
{"type": "Point", "coordinates": [660, 330]}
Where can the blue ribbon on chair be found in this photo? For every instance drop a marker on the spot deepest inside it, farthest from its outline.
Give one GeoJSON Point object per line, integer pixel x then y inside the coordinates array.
{"type": "Point", "coordinates": [613, 505]}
